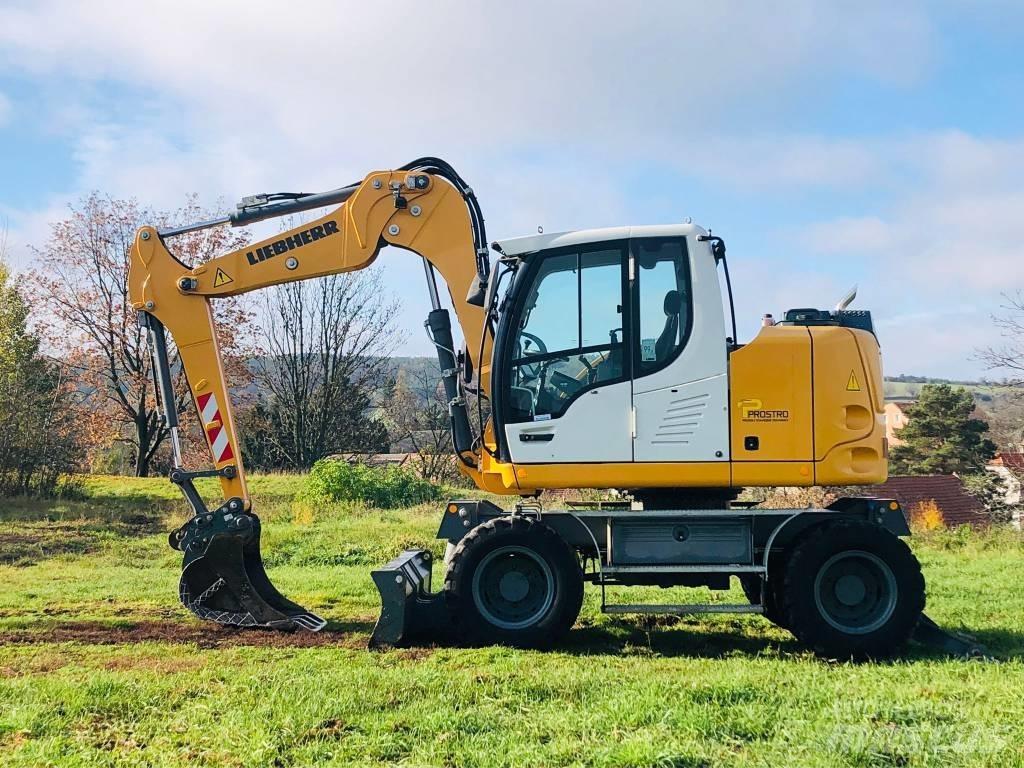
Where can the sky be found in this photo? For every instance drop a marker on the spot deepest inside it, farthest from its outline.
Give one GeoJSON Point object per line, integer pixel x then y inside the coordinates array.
{"type": "Point", "coordinates": [831, 144]}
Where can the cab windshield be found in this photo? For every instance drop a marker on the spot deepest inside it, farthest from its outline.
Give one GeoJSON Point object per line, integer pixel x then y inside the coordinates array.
{"type": "Point", "coordinates": [569, 333]}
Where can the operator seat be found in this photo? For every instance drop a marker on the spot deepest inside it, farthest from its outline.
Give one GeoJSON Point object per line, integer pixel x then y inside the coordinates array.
{"type": "Point", "coordinates": [667, 340]}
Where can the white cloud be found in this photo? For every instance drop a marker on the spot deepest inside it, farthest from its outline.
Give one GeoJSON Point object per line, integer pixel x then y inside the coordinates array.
{"type": "Point", "coordinates": [848, 235]}
{"type": "Point", "coordinates": [782, 161]}
{"type": "Point", "coordinates": [950, 222]}
{"type": "Point", "coordinates": [933, 250]}
{"type": "Point", "coordinates": [322, 73]}
{"type": "Point", "coordinates": [5, 109]}
{"type": "Point", "coordinates": [227, 100]}
{"type": "Point", "coordinates": [545, 108]}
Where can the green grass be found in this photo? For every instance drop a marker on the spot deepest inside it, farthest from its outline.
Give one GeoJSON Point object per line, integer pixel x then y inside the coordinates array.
{"type": "Point", "coordinates": [99, 664]}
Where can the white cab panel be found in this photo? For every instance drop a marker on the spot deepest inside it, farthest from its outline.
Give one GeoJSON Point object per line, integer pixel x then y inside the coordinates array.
{"type": "Point", "coordinates": [699, 376]}
{"type": "Point", "coordinates": [705, 354]}
{"type": "Point", "coordinates": [595, 428]}
{"type": "Point", "coordinates": [688, 422]}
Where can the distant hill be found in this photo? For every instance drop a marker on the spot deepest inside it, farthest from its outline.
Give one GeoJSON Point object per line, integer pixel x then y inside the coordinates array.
{"type": "Point", "coordinates": [1000, 405]}
{"type": "Point", "coordinates": [416, 365]}
{"type": "Point", "coordinates": [904, 387]}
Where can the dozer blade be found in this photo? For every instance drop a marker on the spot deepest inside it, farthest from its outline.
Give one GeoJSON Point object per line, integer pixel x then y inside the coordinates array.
{"type": "Point", "coordinates": [223, 578]}
{"type": "Point", "coordinates": [409, 610]}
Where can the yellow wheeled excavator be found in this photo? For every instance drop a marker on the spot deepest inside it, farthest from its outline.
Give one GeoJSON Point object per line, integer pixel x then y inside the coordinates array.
{"type": "Point", "coordinates": [606, 362]}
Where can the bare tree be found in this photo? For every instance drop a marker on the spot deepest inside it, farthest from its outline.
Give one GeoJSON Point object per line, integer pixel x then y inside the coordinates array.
{"type": "Point", "coordinates": [326, 344]}
{"type": "Point", "coordinates": [418, 419]}
{"type": "Point", "coordinates": [1010, 354]}
{"type": "Point", "coordinates": [1007, 420]}
{"type": "Point", "coordinates": [80, 303]}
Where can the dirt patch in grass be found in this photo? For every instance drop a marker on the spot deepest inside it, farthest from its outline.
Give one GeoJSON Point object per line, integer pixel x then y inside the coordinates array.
{"type": "Point", "coordinates": [202, 635]}
{"type": "Point", "coordinates": [29, 543]}
{"type": "Point", "coordinates": [41, 663]}
{"type": "Point", "coordinates": [30, 546]}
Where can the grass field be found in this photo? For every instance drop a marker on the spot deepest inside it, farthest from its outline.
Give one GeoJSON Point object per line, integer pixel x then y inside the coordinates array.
{"type": "Point", "coordinates": [99, 664]}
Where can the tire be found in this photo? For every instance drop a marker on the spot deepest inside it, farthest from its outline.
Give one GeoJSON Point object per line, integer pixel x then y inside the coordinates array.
{"type": "Point", "coordinates": [852, 589]}
{"type": "Point", "coordinates": [449, 553]}
{"type": "Point", "coordinates": [514, 581]}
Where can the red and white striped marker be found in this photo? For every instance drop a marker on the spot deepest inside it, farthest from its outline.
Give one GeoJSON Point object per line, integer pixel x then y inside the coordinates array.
{"type": "Point", "coordinates": [209, 411]}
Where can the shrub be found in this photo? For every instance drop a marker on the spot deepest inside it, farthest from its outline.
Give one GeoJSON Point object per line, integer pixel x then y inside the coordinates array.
{"type": "Point", "coordinates": [39, 436]}
{"type": "Point", "coordinates": [926, 516]}
{"type": "Point", "coordinates": [333, 480]}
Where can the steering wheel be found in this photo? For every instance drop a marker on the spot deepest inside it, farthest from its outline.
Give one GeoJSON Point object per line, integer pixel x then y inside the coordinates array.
{"type": "Point", "coordinates": [532, 370]}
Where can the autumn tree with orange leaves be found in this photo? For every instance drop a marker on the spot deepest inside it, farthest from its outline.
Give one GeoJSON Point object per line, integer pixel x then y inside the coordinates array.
{"type": "Point", "coordinates": [79, 293]}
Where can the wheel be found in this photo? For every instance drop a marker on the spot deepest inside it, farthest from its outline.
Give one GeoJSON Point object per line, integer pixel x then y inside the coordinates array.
{"type": "Point", "coordinates": [852, 590]}
{"type": "Point", "coordinates": [513, 580]}
{"type": "Point", "coordinates": [449, 553]}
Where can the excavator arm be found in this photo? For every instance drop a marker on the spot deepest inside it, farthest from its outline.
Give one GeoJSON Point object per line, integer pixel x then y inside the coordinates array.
{"type": "Point", "coordinates": [425, 208]}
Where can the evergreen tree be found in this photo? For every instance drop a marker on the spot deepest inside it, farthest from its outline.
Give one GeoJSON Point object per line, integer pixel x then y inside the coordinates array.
{"type": "Point", "coordinates": [18, 347]}
{"type": "Point", "coordinates": [941, 436]}
{"type": "Point", "coordinates": [37, 433]}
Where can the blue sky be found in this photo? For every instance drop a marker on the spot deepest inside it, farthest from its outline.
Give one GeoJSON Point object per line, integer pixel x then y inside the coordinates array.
{"type": "Point", "coordinates": [830, 144]}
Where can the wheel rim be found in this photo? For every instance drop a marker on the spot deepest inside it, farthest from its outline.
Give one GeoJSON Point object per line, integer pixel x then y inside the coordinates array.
{"type": "Point", "coordinates": [855, 592]}
{"type": "Point", "coordinates": [513, 587]}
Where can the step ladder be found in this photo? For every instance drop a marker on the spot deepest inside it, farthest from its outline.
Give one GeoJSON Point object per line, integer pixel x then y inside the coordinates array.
{"type": "Point", "coordinates": [677, 609]}
{"type": "Point", "coordinates": [680, 609]}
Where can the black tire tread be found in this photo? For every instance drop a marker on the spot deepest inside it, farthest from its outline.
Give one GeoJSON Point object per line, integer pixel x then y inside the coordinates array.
{"type": "Point", "coordinates": [751, 584]}
{"type": "Point", "coordinates": [460, 603]}
{"type": "Point", "coordinates": [885, 641]}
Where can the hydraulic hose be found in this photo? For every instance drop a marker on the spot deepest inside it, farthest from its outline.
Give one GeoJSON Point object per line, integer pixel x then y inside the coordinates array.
{"type": "Point", "coordinates": [440, 325]}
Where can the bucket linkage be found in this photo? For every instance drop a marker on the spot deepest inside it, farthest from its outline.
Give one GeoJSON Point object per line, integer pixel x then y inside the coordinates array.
{"type": "Point", "coordinates": [222, 577]}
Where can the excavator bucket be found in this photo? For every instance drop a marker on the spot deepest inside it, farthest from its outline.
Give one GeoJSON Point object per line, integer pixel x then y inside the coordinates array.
{"type": "Point", "coordinates": [409, 610]}
{"type": "Point", "coordinates": [223, 578]}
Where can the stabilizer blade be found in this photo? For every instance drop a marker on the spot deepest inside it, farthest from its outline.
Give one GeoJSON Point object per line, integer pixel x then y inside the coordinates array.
{"type": "Point", "coordinates": [409, 610]}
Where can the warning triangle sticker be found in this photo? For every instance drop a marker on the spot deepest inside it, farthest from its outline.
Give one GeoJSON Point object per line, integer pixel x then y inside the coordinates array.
{"type": "Point", "coordinates": [852, 385]}
{"type": "Point", "coordinates": [221, 278]}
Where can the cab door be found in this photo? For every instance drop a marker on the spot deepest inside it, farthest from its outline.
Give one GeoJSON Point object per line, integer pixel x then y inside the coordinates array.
{"type": "Point", "coordinates": [569, 398]}
{"type": "Point", "coordinates": [680, 379]}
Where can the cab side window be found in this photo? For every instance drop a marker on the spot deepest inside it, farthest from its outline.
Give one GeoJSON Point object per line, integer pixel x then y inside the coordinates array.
{"type": "Point", "coordinates": [664, 305]}
{"type": "Point", "coordinates": [569, 334]}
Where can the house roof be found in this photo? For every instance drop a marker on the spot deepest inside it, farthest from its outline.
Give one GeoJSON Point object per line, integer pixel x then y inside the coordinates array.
{"type": "Point", "coordinates": [906, 405]}
{"type": "Point", "coordinates": [1009, 460]}
{"type": "Point", "coordinates": [958, 507]}
{"type": "Point", "coordinates": [374, 459]}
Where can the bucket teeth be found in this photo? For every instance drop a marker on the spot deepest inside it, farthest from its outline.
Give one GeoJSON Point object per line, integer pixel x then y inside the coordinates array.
{"type": "Point", "coordinates": [309, 621]}
{"type": "Point", "coordinates": [223, 578]}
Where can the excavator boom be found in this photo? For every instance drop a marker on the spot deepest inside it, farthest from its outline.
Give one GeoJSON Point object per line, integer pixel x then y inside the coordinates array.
{"type": "Point", "coordinates": [425, 208]}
